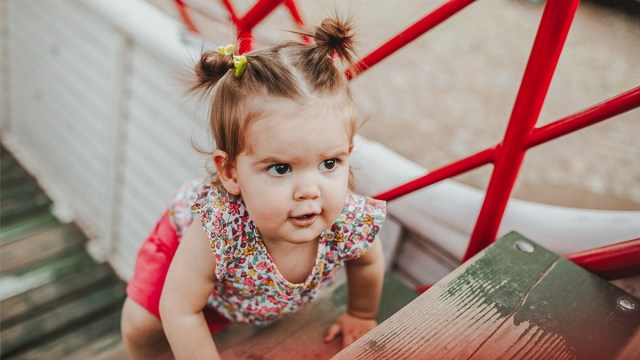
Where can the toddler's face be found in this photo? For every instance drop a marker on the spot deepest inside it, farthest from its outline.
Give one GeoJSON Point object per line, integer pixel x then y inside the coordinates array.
{"type": "Point", "coordinates": [294, 173]}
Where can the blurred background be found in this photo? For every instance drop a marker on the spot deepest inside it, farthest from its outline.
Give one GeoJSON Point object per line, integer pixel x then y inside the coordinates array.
{"type": "Point", "coordinates": [450, 93]}
{"type": "Point", "coordinates": [97, 135]}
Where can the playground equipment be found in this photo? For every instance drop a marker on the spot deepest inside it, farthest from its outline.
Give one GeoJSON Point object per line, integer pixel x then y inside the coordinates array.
{"type": "Point", "coordinates": [621, 259]}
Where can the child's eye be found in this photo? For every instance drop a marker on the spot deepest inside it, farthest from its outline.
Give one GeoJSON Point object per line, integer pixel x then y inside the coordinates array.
{"type": "Point", "coordinates": [328, 165]}
{"type": "Point", "coordinates": [279, 169]}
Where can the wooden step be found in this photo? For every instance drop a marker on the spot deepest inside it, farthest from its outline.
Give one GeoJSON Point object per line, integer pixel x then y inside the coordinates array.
{"type": "Point", "coordinates": [26, 226]}
{"type": "Point", "coordinates": [54, 299]}
{"type": "Point", "coordinates": [37, 246]}
{"type": "Point", "coordinates": [25, 292]}
{"type": "Point", "coordinates": [55, 318]}
{"type": "Point", "coordinates": [22, 189]}
{"type": "Point", "coordinates": [21, 199]}
{"type": "Point", "coordinates": [6, 160]}
{"type": "Point", "coordinates": [25, 210]}
{"type": "Point", "coordinates": [15, 176]}
{"type": "Point", "coordinates": [99, 336]}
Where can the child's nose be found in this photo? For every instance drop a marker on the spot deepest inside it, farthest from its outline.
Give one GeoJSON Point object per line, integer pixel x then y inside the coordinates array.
{"type": "Point", "coordinates": [306, 188]}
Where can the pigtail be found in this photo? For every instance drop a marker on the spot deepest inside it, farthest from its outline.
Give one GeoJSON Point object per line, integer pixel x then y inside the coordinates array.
{"type": "Point", "coordinates": [209, 70]}
{"type": "Point", "coordinates": [334, 36]}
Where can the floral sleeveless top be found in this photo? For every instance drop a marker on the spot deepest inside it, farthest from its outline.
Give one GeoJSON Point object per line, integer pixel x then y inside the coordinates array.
{"type": "Point", "coordinates": [250, 288]}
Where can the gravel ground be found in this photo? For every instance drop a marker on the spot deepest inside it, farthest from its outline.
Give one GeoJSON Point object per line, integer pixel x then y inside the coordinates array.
{"type": "Point", "coordinates": [450, 93]}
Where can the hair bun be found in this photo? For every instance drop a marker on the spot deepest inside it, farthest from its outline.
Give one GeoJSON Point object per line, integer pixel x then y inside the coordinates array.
{"type": "Point", "coordinates": [335, 36]}
{"type": "Point", "coordinates": [210, 69]}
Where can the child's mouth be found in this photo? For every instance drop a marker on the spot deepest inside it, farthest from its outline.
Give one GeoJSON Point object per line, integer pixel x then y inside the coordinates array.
{"type": "Point", "coordinates": [303, 220]}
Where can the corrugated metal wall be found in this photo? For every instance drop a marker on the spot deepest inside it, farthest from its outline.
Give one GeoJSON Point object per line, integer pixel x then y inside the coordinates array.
{"type": "Point", "coordinates": [99, 119]}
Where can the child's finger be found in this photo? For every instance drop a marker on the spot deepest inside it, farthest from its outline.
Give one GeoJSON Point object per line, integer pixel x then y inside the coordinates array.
{"type": "Point", "coordinates": [347, 340]}
{"type": "Point", "coordinates": [332, 332]}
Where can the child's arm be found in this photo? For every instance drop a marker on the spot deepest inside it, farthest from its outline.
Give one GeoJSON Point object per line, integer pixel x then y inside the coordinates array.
{"type": "Point", "coordinates": [364, 277]}
{"type": "Point", "coordinates": [189, 282]}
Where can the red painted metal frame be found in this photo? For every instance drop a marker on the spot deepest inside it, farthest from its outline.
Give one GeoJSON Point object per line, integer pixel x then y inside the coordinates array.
{"type": "Point", "coordinates": [553, 30]}
{"type": "Point", "coordinates": [615, 260]}
{"type": "Point", "coordinates": [611, 262]}
{"type": "Point", "coordinates": [411, 33]}
{"type": "Point", "coordinates": [245, 24]}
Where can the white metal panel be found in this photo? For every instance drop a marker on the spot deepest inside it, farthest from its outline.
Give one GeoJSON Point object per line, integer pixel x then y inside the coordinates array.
{"type": "Point", "coordinates": [61, 76]}
{"type": "Point", "coordinates": [75, 28]}
{"type": "Point", "coordinates": [55, 114]}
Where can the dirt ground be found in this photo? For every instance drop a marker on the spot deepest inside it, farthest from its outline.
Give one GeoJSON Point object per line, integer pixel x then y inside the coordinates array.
{"type": "Point", "coordinates": [450, 93]}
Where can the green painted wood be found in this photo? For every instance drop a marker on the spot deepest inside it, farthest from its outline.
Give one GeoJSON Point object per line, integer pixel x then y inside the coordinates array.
{"type": "Point", "coordinates": [507, 303]}
{"type": "Point", "coordinates": [24, 211]}
{"type": "Point", "coordinates": [73, 312]}
{"type": "Point", "coordinates": [395, 295]}
{"type": "Point", "coordinates": [101, 335]}
{"type": "Point", "coordinates": [36, 247]}
{"type": "Point", "coordinates": [6, 160]}
{"type": "Point", "coordinates": [29, 188]}
{"type": "Point", "coordinates": [43, 286]}
{"type": "Point", "coordinates": [55, 301]}
{"type": "Point", "coordinates": [25, 226]}
{"type": "Point", "coordinates": [16, 204]}
{"type": "Point", "coordinates": [15, 177]}
{"type": "Point", "coordinates": [25, 279]}
{"type": "Point", "coordinates": [22, 201]}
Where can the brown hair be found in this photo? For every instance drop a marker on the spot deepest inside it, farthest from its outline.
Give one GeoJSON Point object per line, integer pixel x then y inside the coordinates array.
{"type": "Point", "coordinates": [291, 70]}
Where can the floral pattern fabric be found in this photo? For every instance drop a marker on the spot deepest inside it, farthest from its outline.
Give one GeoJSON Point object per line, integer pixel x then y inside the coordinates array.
{"type": "Point", "coordinates": [250, 289]}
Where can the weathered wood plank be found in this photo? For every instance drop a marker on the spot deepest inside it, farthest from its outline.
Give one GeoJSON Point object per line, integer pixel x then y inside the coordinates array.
{"type": "Point", "coordinates": [22, 252]}
{"type": "Point", "coordinates": [506, 303]}
{"type": "Point", "coordinates": [22, 199]}
{"type": "Point", "coordinates": [631, 350]}
{"type": "Point", "coordinates": [72, 311]}
{"type": "Point", "coordinates": [85, 342]}
{"type": "Point", "coordinates": [47, 283]}
{"type": "Point", "coordinates": [26, 225]}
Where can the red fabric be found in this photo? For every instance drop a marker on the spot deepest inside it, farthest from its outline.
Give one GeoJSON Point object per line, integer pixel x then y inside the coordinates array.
{"type": "Point", "coordinates": [152, 265]}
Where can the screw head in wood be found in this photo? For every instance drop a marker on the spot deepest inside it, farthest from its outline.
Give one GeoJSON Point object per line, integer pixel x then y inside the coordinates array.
{"type": "Point", "coordinates": [626, 304]}
{"type": "Point", "coordinates": [524, 246]}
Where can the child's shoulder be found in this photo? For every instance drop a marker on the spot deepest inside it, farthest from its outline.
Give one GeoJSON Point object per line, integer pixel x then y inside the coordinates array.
{"type": "Point", "coordinates": [364, 205]}
{"type": "Point", "coordinates": [194, 196]}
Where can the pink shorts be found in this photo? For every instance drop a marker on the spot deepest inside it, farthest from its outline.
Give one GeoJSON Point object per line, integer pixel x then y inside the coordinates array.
{"type": "Point", "coordinates": [152, 265]}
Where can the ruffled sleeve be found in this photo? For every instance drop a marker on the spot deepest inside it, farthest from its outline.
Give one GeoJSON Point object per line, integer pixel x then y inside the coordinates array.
{"type": "Point", "coordinates": [218, 211]}
{"type": "Point", "coordinates": [180, 214]}
{"type": "Point", "coordinates": [358, 225]}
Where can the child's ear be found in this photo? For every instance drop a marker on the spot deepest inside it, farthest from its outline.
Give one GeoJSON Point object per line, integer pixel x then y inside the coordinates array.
{"type": "Point", "coordinates": [226, 172]}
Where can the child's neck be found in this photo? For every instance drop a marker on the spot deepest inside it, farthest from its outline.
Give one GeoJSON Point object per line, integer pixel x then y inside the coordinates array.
{"type": "Point", "coordinates": [294, 261]}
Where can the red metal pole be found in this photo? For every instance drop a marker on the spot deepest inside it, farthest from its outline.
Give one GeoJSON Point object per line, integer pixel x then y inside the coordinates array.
{"type": "Point", "coordinates": [411, 33]}
{"type": "Point", "coordinates": [293, 10]}
{"type": "Point", "coordinates": [614, 106]}
{"type": "Point", "coordinates": [552, 33]}
{"type": "Point", "coordinates": [470, 162]}
{"type": "Point", "coordinates": [614, 261]}
{"type": "Point", "coordinates": [246, 24]}
{"type": "Point", "coordinates": [182, 7]}
{"type": "Point", "coordinates": [295, 14]}
{"type": "Point", "coordinates": [231, 10]}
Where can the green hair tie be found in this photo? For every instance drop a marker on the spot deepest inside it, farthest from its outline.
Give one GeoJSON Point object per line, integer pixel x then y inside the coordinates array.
{"type": "Point", "coordinates": [225, 50]}
{"type": "Point", "coordinates": [240, 63]}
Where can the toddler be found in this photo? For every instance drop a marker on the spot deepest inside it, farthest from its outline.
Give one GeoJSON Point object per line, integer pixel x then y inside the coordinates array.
{"type": "Point", "coordinates": [260, 238]}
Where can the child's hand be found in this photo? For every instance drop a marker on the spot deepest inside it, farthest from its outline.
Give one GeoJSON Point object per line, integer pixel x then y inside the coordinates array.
{"type": "Point", "coordinates": [350, 327]}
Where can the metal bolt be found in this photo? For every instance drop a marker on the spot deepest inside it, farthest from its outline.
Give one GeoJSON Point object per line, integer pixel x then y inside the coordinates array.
{"type": "Point", "coordinates": [626, 304]}
{"type": "Point", "coordinates": [524, 246]}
